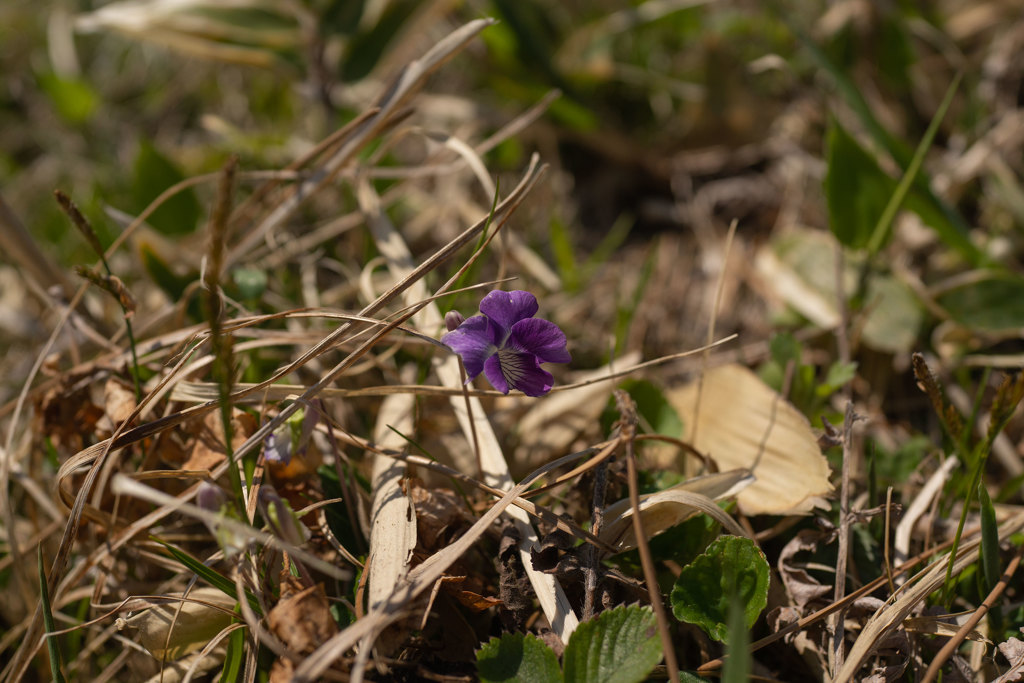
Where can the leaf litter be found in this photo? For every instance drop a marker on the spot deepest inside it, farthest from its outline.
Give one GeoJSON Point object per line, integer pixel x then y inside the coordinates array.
{"type": "Point", "coordinates": [371, 557]}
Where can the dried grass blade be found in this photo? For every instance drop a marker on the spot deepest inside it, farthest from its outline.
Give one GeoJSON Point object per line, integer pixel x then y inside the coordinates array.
{"type": "Point", "coordinates": [469, 412]}
{"type": "Point", "coordinates": [392, 519]}
{"type": "Point", "coordinates": [889, 617]}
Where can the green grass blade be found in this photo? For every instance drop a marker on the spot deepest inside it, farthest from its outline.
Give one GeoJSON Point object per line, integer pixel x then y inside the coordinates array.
{"type": "Point", "coordinates": [234, 656]}
{"type": "Point", "coordinates": [221, 583]}
{"type": "Point", "coordinates": [51, 642]}
{"type": "Point", "coordinates": [989, 539]}
{"type": "Point", "coordinates": [881, 230]}
{"type": "Point", "coordinates": [609, 244]}
{"type": "Point", "coordinates": [990, 565]}
{"type": "Point", "coordinates": [949, 225]}
{"type": "Point", "coordinates": [737, 663]}
{"type": "Point", "coordinates": [565, 255]}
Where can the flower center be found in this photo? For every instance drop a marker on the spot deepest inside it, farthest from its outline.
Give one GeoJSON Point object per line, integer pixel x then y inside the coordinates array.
{"type": "Point", "coordinates": [514, 365]}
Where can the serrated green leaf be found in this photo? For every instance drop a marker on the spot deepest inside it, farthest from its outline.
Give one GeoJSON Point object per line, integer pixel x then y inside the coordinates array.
{"type": "Point", "coordinates": [733, 568]}
{"type": "Point", "coordinates": [620, 646]}
{"type": "Point", "coordinates": [687, 677]}
{"type": "Point", "coordinates": [517, 657]}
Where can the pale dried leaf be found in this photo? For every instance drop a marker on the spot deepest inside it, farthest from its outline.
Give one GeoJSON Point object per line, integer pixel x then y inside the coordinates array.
{"type": "Point", "coordinates": [198, 662]}
{"type": "Point", "coordinates": [922, 502]}
{"type": "Point", "coordinates": [664, 509]}
{"type": "Point", "coordinates": [743, 423]}
{"type": "Point", "coordinates": [169, 633]}
{"type": "Point", "coordinates": [118, 399]}
{"type": "Point", "coordinates": [393, 520]}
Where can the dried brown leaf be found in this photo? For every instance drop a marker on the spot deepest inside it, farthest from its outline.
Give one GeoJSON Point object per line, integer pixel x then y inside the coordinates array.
{"type": "Point", "coordinates": [743, 423]}
{"type": "Point", "coordinates": [302, 620]}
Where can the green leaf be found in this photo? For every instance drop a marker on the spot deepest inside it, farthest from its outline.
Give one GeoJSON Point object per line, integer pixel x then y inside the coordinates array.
{"type": "Point", "coordinates": [251, 282]}
{"type": "Point", "coordinates": [881, 232]}
{"type": "Point", "coordinates": [162, 274]}
{"type": "Point", "coordinates": [838, 375]}
{"type": "Point", "coordinates": [74, 99]}
{"type": "Point", "coordinates": [947, 223]}
{"type": "Point", "coordinates": [894, 315]}
{"type": "Point", "coordinates": [994, 305]}
{"type": "Point", "coordinates": [517, 657]}
{"type": "Point", "coordinates": [154, 173]}
{"type": "Point", "coordinates": [565, 254]}
{"type": "Point", "coordinates": [687, 677]}
{"type": "Point", "coordinates": [365, 50]}
{"type": "Point", "coordinates": [654, 408]}
{"type": "Point", "coordinates": [856, 189]}
{"type": "Point", "coordinates": [733, 568]}
{"type": "Point", "coordinates": [620, 646]}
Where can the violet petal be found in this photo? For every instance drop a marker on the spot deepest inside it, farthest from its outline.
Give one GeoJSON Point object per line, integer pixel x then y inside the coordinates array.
{"type": "Point", "coordinates": [508, 308]}
{"type": "Point", "coordinates": [542, 338]}
{"type": "Point", "coordinates": [510, 369]}
{"type": "Point", "coordinates": [474, 341]}
{"type": "Point", "coordinates": [277, 449]}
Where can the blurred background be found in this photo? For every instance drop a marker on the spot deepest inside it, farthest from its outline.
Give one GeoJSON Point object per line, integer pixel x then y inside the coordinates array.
{"type": "Point", "coordinates": [663, 121]}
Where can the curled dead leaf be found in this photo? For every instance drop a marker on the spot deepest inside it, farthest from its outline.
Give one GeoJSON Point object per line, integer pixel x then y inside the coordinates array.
{"type": "Point", "coordinates": [302, 620]}
{"type": "Point", "coordinates": [665, 509]}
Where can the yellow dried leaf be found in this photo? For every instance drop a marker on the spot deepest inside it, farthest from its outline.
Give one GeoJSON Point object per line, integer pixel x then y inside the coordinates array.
{"type": "Point", "coordinates": [742, 423]}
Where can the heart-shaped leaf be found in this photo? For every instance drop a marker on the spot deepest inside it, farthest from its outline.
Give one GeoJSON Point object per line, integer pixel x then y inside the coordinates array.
{"type": "Point", "coordinates": [732, 569]}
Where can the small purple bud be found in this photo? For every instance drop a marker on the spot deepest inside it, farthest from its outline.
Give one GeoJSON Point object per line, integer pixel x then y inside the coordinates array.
{"type": "Point", "coordinates": [210, 497]}
{"type": "Point", "coordinates": [452, 319]}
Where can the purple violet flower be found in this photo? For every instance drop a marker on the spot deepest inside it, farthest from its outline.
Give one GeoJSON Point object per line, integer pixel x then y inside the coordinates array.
{"type": "Point", "coordinates": [508, 344]}
{"type": "Point", "coordinates": [277, 449]}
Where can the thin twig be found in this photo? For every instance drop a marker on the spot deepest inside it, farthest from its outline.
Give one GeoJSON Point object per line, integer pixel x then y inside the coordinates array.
{"type": "Point", "coordinates": [844, 540]}
{"type": "Point", "coordinates": [628, 426]}
{"type": "Point", "coordinates": [593, 556]}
